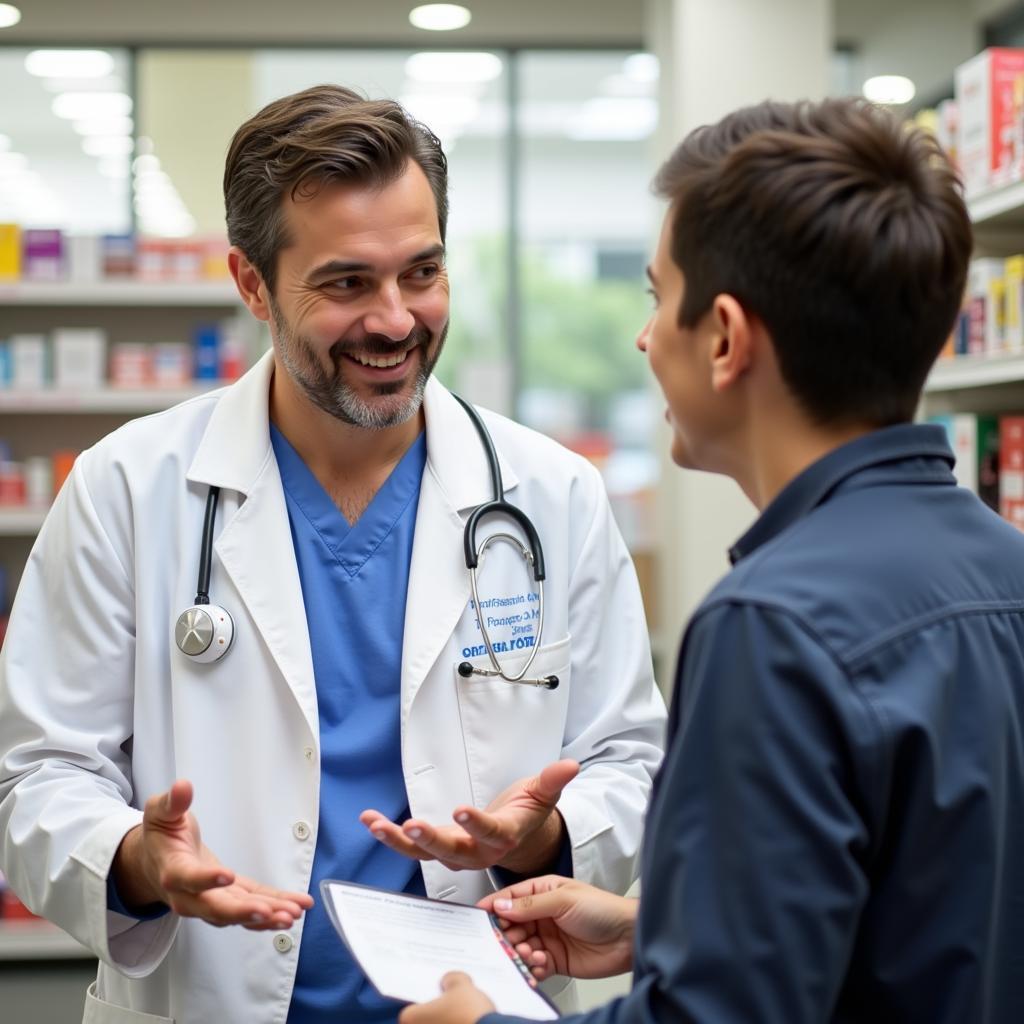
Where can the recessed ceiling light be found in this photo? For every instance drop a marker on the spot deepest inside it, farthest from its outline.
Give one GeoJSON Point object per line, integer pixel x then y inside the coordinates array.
{"type": "Point", "coordinates": [440, 17]}
{"type": "Point", "coordinates": [9, 15]}
{"type": "Point", "coordinates": [107, 145]}
{"type": "Point", "coordinates": [453, 67]}
{"type": "Point", "coordinates": [69, 63]}
{"type": "Point", "coordinates": [641, 67]}
{"type": "Point", "coordinates": [890, 89]}
{"type": "Point", "coordinates": [116, 125]}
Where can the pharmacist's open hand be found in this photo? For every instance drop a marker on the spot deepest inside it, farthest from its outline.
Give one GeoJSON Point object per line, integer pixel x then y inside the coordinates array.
{"type": "Point", "coordinates": [561, 926]}
{"type": "Point", "coordinates": [520, 829]}
{"type": "Point", "coordinates": [164, 860]}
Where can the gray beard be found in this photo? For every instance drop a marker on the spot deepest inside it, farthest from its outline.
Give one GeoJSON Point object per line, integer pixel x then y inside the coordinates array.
{"type": "Point", "coordinates": [329, 391]}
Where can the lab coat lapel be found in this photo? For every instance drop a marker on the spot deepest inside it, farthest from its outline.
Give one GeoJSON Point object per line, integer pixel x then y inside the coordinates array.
{"type": "Point", "coordinates": [255, 544]}
{"type": "Point", "coordinates": [455, 480]}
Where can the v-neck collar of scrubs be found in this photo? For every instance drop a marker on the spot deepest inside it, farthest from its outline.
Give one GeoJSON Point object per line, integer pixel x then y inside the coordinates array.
{"type": "Point", "coordinates": [351, 544]}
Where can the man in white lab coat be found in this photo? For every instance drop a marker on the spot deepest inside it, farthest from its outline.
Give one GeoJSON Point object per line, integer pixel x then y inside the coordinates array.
{"type": "Point", "coordinates": [333, 716]}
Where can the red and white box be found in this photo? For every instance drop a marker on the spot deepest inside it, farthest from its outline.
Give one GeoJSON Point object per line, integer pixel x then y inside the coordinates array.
{"type": "Point", "coordinates": [1011, 469]}
{"type": "Point", "coordinates": [990, 119]}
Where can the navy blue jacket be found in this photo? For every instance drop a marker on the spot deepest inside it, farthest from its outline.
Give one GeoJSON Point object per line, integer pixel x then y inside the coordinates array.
{"type": "Point", "coordinates": [837, 833]}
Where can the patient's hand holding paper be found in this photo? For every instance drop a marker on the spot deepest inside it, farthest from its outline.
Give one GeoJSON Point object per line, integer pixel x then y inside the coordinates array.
{"type": "Point", "coordinates": [406, 944]}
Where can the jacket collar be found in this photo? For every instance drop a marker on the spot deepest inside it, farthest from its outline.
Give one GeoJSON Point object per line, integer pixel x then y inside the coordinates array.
{"type": "Point", "coordinates": [236, 442]}
{"type": "Point", "coordinates": [916, 453]}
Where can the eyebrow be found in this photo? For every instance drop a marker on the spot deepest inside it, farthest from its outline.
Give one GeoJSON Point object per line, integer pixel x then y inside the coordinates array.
{"type": "Point", "coordinates": [336, 268]}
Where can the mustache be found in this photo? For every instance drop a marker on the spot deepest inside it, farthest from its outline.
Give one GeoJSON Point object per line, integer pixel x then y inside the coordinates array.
{"type": "Point", "coordinates": [380, 344]}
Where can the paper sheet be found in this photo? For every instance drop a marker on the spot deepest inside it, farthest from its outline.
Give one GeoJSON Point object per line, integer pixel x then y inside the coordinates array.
{"type": "Point", "coordinates": [406, 944]}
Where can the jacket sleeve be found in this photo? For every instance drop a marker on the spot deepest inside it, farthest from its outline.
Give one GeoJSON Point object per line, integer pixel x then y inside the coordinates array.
{"type": "Point", "coordinates": [66, 710]}
{"type": "Point", "coordinates": [616, 717]}
{"type": "Point", "coordinates": [754, 877]}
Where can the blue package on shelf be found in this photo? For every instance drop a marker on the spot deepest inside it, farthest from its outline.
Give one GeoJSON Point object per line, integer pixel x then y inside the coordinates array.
{"type": "Point", "coordinates": [6, 370]}
{"type": "Point", "coordinates": [207, 345]}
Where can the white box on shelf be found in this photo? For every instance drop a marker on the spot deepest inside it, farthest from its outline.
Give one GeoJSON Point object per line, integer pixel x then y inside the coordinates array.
{"type": "Point", "coordinates": [986, 293]}
{"type": "Point", "coordinates": [28, 361]}
{"type": "Point", "coordinates": [84, 258]}
{"type": "Point", "coordinates": [990, 119]}
{"type": "Point", "coordinates": [79, 358]}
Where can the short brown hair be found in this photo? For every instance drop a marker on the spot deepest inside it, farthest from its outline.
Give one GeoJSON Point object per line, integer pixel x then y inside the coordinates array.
{"type": "Point", "coordinates": [842, 230]}
{"type": "Point", "coordinates": [296, 145]}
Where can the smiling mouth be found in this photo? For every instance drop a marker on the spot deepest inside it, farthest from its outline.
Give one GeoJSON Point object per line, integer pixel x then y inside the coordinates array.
{"type": "Point", "coordinates": [380, 362]}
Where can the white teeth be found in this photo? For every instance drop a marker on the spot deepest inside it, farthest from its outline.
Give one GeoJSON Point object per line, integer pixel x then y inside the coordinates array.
{"type": "Point", "coordinates": [381, 362]}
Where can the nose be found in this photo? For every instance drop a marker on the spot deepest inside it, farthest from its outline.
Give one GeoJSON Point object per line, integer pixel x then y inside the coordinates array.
{"type": "Point", "coordinates": [641, 338]}
{"type": "Point", "coordinates": [390, 316]}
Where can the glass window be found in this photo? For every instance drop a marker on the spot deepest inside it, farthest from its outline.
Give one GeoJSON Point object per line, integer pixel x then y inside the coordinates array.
{"type": "Point", "coordinates": [66, 142]}
{"type": "Point", "coordinates": [460, 96]}
{"type": "Point", "coordinates": [587, 225]}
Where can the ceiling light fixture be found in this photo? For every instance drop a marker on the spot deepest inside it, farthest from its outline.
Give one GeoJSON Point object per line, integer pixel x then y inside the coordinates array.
{"type": "Point", "coordinates": [69, 63]}
{"type": "Point", "coordinates": [9, 15]}
{"type": "Point", "coordinates": [892, 90]}
{"type": "Point", "coordinates": [440, 17]}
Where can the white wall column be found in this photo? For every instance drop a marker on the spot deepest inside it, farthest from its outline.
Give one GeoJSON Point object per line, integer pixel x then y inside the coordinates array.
{"type": "Point", "coordinates": [717, 55]}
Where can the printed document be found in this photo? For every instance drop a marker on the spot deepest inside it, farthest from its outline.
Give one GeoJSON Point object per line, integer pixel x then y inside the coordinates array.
{"type": "Point", "coordinates": [406, 944]}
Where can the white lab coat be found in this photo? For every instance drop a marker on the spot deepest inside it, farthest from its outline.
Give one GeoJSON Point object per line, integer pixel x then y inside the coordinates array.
{"type": "Point", "coordinates": [99, 710]}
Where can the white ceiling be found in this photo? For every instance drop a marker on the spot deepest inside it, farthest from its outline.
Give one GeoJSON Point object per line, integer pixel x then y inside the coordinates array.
{"type": "Point", "coordinates": [495, 22]}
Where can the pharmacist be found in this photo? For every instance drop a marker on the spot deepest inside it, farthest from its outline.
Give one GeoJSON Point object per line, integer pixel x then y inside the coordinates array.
{"type": "Point", "coordinates": [324, 702]}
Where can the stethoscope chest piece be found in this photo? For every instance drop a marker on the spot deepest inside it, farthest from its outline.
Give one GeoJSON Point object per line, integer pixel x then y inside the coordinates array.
{"type": "Point", "coordinates": [204, 632]}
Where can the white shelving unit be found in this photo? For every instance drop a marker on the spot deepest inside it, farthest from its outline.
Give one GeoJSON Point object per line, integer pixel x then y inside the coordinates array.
{"type": "Point", "coordinates": [127, 292]}
{"type": "Point", "coordinates": [21, 522]}
{"type": "Point", "coordinates": [115, 401]}
{"type": "Point", "coordinates": [38, 940]}
{"type": "Point", "coordinates": [965, 372]}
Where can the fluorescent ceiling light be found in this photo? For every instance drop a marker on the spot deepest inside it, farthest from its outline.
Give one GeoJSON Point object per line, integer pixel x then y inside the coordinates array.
{"type": "Point", "coordinates": [9, 15]}
{"type": "Point", "coordinates": [104, 126]}
{"type": "Point", "coordinates": [146, 163]}
{"type": "Point", "coordinates": [641, 67]}
{"type": "Point", "coordinates": [615, 119]}
{"type": "Point", "coordinates": [440, 17]}
{"type": "Point", "coordinates": [890, 89]}
{"type": "Point", "coordinates": [454, 67]}
{"type": "Point", "coordinates": [69, 63]}
{"type": "Point", "coordinates": [107, 145]}
{"type": "Point", "coordinates": [80, 106]}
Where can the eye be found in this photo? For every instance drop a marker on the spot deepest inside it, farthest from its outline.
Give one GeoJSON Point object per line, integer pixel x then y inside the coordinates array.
{"type": "Point", "coordinates": [653, 294]}
{"type": "Point", "coordinates": [344, 284]}
{"type": "Point", "coordinates": [425, 273]}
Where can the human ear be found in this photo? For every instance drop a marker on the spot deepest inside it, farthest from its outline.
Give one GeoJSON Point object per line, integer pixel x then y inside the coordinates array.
{"type": "Point", "coordinates": [731, 342]}
{"type": "Point", "coordinates": [249, 283]}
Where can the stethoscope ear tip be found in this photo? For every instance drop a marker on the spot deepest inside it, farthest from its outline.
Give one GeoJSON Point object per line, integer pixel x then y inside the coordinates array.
{"type": "Point", "coordinates": [465, 669]}
{"type": "Point", "coordinates": [551, 682]}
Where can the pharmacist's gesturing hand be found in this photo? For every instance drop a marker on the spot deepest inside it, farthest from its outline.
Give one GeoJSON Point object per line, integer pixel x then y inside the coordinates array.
{"type": "Point", "coordinates": [164, 860]}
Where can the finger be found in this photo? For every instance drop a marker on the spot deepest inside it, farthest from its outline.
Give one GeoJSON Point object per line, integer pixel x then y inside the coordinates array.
{"type": "Point", "coordinates": [453, 846]}
{"type": "Point", "coordinates": [484, 827]}
{"type": "Point", "coordinates": [547, 787]}
{"type": "Point", "coordinates": [221, 912]}
{"type": "Point", "coordinates": [189, 874]}
{"type": "Point", "coordinates": [395, 839]}
{"type": "Point", "coordinates": [536, 907]}
{"type": "Point", "coordinates": [302, 899]}
{"type": "Point", "coordinates": [170, 805]}
{"type": "Point", "coordinates": [455, 980]}
{"type": "Point", "coordinates": [527, 887]}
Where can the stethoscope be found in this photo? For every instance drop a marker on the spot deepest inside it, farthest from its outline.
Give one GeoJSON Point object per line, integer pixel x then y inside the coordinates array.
{"type": "Point", "coordinates": [204, 631]}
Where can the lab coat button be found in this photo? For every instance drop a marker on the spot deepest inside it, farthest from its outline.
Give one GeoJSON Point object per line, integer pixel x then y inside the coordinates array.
{"type": "Point", "coordinates": [300, 830]}
{"type": "Point", "coordinates": [308, 752]}
{"type": "Point", "coordinates": [283, 943]}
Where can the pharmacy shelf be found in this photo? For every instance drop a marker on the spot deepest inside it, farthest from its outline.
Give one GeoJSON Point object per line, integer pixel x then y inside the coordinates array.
{"type": "Point", "coordinates": [999, 207]}
{"type": "Point", "coordinates": [38, 940]}
{"type": "Point", "coordinates": [964, 372]}
{"type": "Point", "coordinates": [133, 401]}
{"type": "Point", "coordinates": [21, 522]}
{"type": "Point", "coordinates": [120, 293]}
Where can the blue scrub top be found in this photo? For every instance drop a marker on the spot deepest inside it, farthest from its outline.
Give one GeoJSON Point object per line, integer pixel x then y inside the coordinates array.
{"type": "Point", "coordinates": [354, 581]}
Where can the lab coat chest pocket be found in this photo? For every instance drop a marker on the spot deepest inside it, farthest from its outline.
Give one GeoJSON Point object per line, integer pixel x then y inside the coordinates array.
{"type": "Point", "coordinates": [511, 730]}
